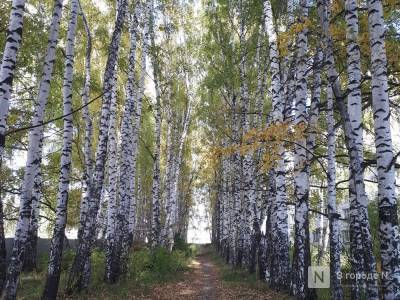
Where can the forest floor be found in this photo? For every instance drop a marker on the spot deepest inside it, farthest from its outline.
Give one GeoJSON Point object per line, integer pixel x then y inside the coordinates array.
{"type": "Point", "coordinates": [209, 278]}
{"type": "Point", "coordinates": [202, 275]}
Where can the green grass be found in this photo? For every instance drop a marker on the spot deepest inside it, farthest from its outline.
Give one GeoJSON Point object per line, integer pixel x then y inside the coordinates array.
{"type": "Point", "coordinates": [145, 269]}
{"type": "Point", "coordinates": [235, 275]}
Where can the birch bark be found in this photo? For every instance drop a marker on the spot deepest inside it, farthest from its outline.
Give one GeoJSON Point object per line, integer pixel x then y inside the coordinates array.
{"type": "Point", "coordinates": [34, 158]}
{"type": "Point", "coordinates": [57, 241]}
{"type": "Point", "coordinates": [112, 238]}
{"type": "Point", "coordinates": [301, 255]}
{"type": "Point", "coordinates": [334, 230]}
{"type": "Point", "coordinates": [279, 263]}
{"type": "Point", "coordinates": [77, 276]}
{"type": "Point", "coordinates": [8, 63]}
{"type": "Point", "coordinates": [156, 205]}
{"type": "Point", "coordinates": [361, 234]}
{"type": "Point", "coordinates": [388, 226]}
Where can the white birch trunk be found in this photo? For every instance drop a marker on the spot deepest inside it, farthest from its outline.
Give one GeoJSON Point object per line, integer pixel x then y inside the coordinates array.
{"type": "Point", "coordinates": [8, 64]}
{"type": "Point", "coordinates": [87, 146]}
{"type": "Point", "coordinates": [172, 217]}
{"type": "Point", "coordinates": [155, 238]}
{"type": "Point", "coordinates": [57, 241]}
{"type": "Point", "coordinates": [301, 255]}
{"type": "Point", "coordinates": [388, 226]}
{"type": "Point", "coordinates": [354, 107]}
{"type": "Point", "coordinates": [361, 234]}
{"type": "Point", "coordinates": [334, 227]}
{"type": "Point", "coordinates": [78, 277]}
{"type": "Point", "coordinates": [131, 96]}
{"type": "Point", "coordinates": [30, 255]}
{"type": "Point", "coordinates": [249, 186]}
{"type": "Point", "coordinates": [34, 158]}
{"type": "Point", "coordinates": [112, 238]}
{"type": "Point", "coordinates": [279, 268]}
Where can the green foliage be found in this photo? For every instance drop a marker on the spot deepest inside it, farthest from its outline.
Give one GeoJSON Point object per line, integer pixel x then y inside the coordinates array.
{"type": "Point", "coordinates": [156, 266]}
{"type": "Point", "coordinates": [230, 273]}
{"type": "Point", "coordinates": [190, 250]}
{"type": "Point", "coordinates": [145, 268]}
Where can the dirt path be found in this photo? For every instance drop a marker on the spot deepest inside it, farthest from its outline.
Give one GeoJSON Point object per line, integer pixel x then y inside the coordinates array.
{"type": "Point", "coordinates": [202, 281]}
{"type": "Point", "coordinates": [199, 282]}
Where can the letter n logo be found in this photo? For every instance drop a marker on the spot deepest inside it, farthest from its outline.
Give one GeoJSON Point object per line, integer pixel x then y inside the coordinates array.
{"type": "Point", "coordinates": [318, 277]}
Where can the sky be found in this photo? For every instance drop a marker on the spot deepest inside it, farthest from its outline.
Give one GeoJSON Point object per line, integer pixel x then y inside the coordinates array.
{"type": "Point", "coordinates": [199, 223]}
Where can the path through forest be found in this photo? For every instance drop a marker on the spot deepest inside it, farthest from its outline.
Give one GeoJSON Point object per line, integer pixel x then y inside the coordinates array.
{"type": "Point", "coordinates": [203, 281]}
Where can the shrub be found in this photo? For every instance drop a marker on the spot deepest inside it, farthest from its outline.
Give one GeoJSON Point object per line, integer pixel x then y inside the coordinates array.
{"type": "Point", "coordinates": [159, 265]}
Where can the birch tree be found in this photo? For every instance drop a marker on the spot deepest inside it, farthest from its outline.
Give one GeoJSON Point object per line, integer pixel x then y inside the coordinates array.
{"type": "Point", "coordinates": [354, 107]}
{"type": "Point", "coordinates": [34, 157]}
{"type": "Point", "coordinates": [56, 247]}
{"type": "Point", "coordinates": [87, 145]}
{"type": "Point", "coordinates": [334, 239]}
{"type": "Point", "coordinates": [361, 234]}
{"type": "Point", "coordinates": [301, 255]}
{"type": "Point", "coordinates": [8, 63]}
{"type": "Point", "coordinates": [155, 192]}
{"type": "Point", "coordinates": [112, 238]}
{"type": "Point", "coordinates": [30, 255]}
{"type": "Point", "coordinates": [119, 177]}
{"type": "Point", "coordinates": [388, 226]}
{"type": "Point", "coordinates": [172, 212]}
{"type": "Point", "coordinates": [77, 276]}
{"type": "Point", "coordinates": [279, 258]}
{"type": "Point", "coordinates": [249, 187]}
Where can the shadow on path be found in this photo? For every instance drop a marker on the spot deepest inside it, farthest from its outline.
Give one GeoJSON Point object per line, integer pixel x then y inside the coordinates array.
{"type": "Point", "coordinates": [202, 281]}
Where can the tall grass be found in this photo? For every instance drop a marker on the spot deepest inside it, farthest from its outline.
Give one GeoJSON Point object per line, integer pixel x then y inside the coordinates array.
{"type": "Point", "coordinates": [145, 268]}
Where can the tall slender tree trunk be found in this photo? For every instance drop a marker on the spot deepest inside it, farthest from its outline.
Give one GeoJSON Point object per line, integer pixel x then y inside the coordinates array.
{"type": "Point", "coordinates": [334, 229]}
{"type": "Point", "coordinates": [7, 69]}
{"type": "Point", "coordinates": [301, 255]}
{"type": "Point", "coordinates": [34, 158]}
{"type": "Point", "coordinates": [57, 241]}
{"type": "Point", "coordinates": [169, 173]}
{"type": "Point", "coordinates": [236, 189]}
{"type": "Point", "coordinates": [249, 187]}
{"type": "Point", "coordinates": [388, 226]}
{"type": "Point", "coordinates": [354, 107]}
{"type": "Point", "coordinates": [30, 255]}
{"type": "Point", "coordinates": [127, 202]}
{"type": "Point", "coordinates": [77, 276]}
{"type": "Point", "coordinates": [173, 217]}
{"type": "Point", "coordinates": [363, 235]}
{"type": "Point", "coordinates": [123, 174]}
{"type": "Point", "coordinates": [155, 192]}
{"type": "Point", "coordinates": [288, 72]}
{"type": "Point", "coordinates": [127, 168]}
{"type": "Point", "coordinates": [279, 258]}
{"type": "Point", "coordinates": [8, 63]}
{"type": "Point", "coordinates": [87, 145]}
{"type": "Point", "coordinates": [3, 251]}
{"type": "Point", "coordinates": [138, 114]}
{"type": "Point", "coordinates": [271, 195]}
{"type": "Point", "coordinates": [258, 239]}
{"type": "Point", "coordinates": [112, 238]}
{"type": "Point", "coordinates": [226, 226]}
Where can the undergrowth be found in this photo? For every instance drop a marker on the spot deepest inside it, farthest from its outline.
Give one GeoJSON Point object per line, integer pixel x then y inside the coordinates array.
{"type": "Point", "coordinates": [145, 269]}
{"type": "Point", "coordinates": [239, 276]}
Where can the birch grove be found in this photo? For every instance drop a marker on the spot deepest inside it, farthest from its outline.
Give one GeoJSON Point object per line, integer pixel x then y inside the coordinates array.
{"type": "Point", "coordinates": [132, 130]}
{"type": "Point", "coordinates": [56, 248]}
{"type": "Point", "coordinates": [34, 157]}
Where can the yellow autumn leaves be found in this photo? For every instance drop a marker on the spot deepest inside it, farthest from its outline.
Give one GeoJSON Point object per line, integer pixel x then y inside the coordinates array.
{"type": "Point", "coordinates": [286, 38]}
{"type": "Point", "coordinates": [270, 140]}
